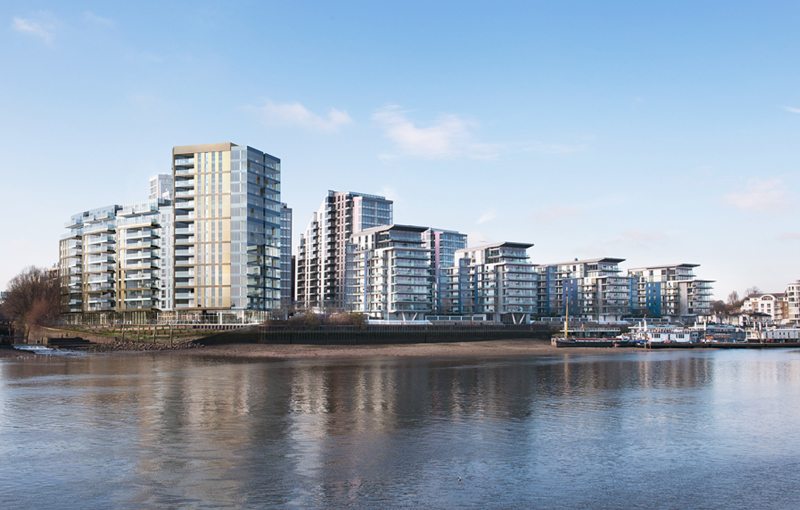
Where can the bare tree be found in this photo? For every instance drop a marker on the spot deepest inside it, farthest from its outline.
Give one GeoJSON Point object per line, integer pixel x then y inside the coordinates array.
{"type": "Point", "coordinates": [733, 298]}
{"type": "Point", "coordinates": [752, 291]}
{"type": "Point", "coordinates": [33, 297]}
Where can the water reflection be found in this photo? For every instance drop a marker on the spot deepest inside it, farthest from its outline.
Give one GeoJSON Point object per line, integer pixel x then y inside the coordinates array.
{"type": "Point", "coordinates": [570, 430]}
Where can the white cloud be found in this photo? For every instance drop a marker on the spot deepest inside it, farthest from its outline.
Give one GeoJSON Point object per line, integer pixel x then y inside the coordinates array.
{"type": "Point", "coordinates": [552, 214]}
{"type": "Point", "coordinates": [760, 196]}
{"type": "Point", "coordinates": [449, 137]}
{"type": "Point", "coordinates": [789, 236]}
{"type": "Point", "coordinates": [38, 29]}
{"type": "Point", "coordinates": [487, 216]}
{"type": "Point", "coordinates": [18, 242]}
{"type": "Point", "coordinates": [790, 109]}
{"type": "Point", "coordinates": [295, 114]}
{"type": "Point", "coordinates": [99, 20]}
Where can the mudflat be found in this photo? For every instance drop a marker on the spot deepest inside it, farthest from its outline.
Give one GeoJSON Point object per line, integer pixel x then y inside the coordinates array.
{"type": "Point", "coordinates": [455, 349]}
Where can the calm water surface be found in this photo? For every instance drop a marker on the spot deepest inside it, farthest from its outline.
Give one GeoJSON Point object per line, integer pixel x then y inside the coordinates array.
{"type": "Point", "coordinates": [624, 430]}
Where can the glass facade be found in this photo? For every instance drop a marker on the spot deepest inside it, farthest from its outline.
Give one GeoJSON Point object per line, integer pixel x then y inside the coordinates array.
{"type": "Point", "coordinates": [227, 229]}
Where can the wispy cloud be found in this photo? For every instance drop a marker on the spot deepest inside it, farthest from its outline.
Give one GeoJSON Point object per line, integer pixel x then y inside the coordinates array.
{"type": "Point", "coordinates": [556, 213]}
{"type": "Point", "coordinates": [760, 196]}
{"type": "Point", "coordinates": [98, 20]}
{"type": "Point", "coordinates": [295, 114]}
{"type": "Point", "coordinates": [790, 109]}
{"type": "Point", "coordinates": [41, 29]}
{"type": "Point", "coordinates": [789, 236]}
{"type": "Point", "coordinates": [448, 137]}
{"type": "Point", "coordinates": [489, 215]}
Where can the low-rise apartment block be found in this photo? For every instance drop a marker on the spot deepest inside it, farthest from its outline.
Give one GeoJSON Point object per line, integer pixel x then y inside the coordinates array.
{"type": "Point", "coordinates": [793, 302]}
{"type": "Point", "coordinates": [671, 291]}
{"type": "Point", "coordinates": [591, 289]}
{"type": "Point", "coordinates": [774, 305]}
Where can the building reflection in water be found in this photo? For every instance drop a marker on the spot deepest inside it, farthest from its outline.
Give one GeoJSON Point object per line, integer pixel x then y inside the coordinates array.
{"type": "Point", "coordinates": [185, 431]}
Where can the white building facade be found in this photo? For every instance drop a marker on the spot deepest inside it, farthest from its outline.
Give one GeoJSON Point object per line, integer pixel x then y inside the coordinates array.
{"type": "Point", "coordinates": [775, 305]}
{"type": "Point", "coordinates": [671, 291]}
{"type": "Point", "coordinates": [496, 280]}
{"type": "Point", "coordinates": [591, 289]}
{"type": "Point", "coordinates": [321, 253]}
{"type": "Point", "coordinates": [389, 273]}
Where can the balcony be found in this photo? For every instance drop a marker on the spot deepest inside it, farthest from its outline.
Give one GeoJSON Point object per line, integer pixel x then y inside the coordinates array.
{"type": "Point", "coordinates": [185, 217]}
{"type": "Point", "coordinates": [138, 222]}
{"type": "Point", "coordinates": [97, 259]}
{"type": "Point", "coordinates": [100, 307]}
{"type": "Point", "coordinates": [144, 264]}
{"type": "Point", "coordinates": [139, 255]}
{"type": "Point", "coordinates": [184, 204]}
{"type": "Point", "coordinates": [99, 248]}
{"type": "Point", "coordinates": [183, 161]}
{"type": "Point", "coordinates": [100, 227]}
{"type": "Point", "coordinates": [184, 183]}
{"type": "Point", "coordinates": [90, 240]}
{"type": "Point", "coordinates": [103, 298]}
{"type": "Point", "coordinates": [143, 305]}
{"type": "Point", "coordinates": [100, 287]}
{"type": "Point", "coordinates": [137, 211]}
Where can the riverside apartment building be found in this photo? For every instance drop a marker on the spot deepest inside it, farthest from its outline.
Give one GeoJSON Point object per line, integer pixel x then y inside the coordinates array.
{"type": "Point", "coordinates": [321, 252]}
{"type": "Point", "coordinates": [210, 253]}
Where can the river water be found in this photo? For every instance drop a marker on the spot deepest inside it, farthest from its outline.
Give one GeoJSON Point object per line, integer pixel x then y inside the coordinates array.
{"type": "Point", "coordinates": [657, 429]}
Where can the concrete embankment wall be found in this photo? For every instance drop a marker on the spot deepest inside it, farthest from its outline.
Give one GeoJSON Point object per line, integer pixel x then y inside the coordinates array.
{"type": "Point", "coordinates": [368, 337]}
{"type": "Point", "coordinates": [41, 334]}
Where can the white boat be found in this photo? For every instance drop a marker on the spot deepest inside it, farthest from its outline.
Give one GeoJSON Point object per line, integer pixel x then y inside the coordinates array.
{"type": "Point", "coordinates": [660, 334]}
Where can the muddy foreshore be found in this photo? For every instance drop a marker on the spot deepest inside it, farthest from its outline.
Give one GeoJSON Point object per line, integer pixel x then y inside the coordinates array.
{"type": "Point", "coordinates": [448, 349]}
{"type": "Point", "coordinates": [295, 351]}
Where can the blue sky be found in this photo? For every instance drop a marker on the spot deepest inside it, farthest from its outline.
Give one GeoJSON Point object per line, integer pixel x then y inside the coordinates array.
{"type": "Point", "coordinates": [654, 133]}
